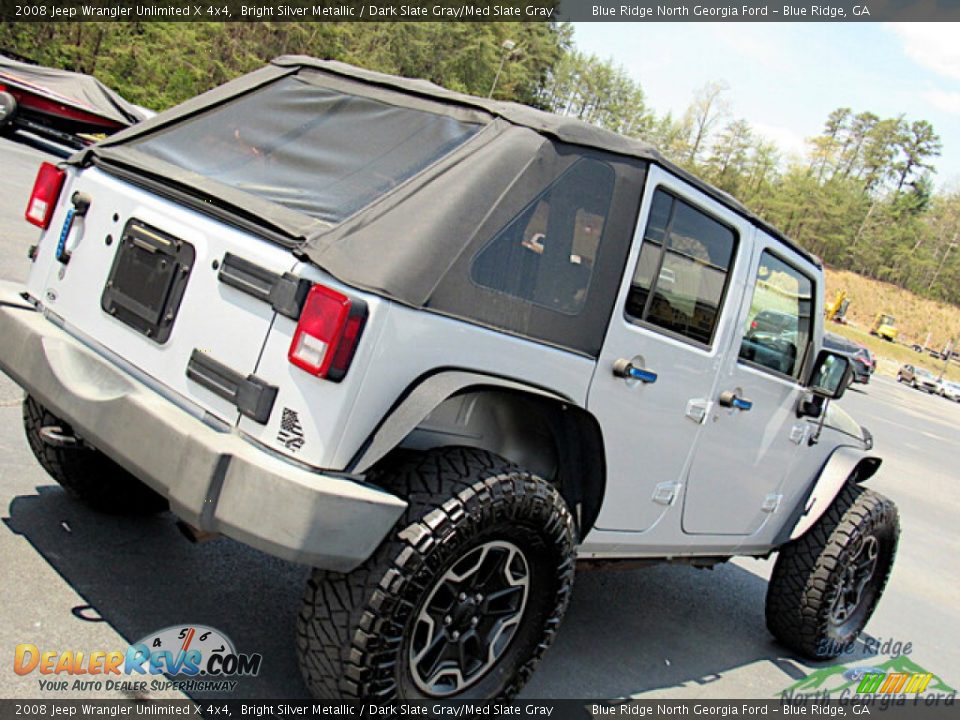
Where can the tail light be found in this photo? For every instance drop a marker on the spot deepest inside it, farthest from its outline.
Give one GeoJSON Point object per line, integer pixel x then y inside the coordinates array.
{"type": "Point", "coordinates": [46, 192]}
{"type": "Point", "coordinates": [327, 333]}
{"type": "Point", "coordinates": [753, 325]}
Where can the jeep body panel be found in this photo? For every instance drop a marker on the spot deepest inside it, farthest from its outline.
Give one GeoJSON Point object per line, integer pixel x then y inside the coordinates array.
{"type": "Point", "coordinates": [404, 346]}
{"type": "Point", "coordinates": [75, 290]}
{"type": "Point", "coordinates": [682, 467]}
{"type": "Point", "coordinates": [753, 450]}
{"type": "Point", "coordinates": [648, 429]}
{"type": "Point", "coordinates": [213, 477]}
{"type": "Point", "coordinates": [535, 267]}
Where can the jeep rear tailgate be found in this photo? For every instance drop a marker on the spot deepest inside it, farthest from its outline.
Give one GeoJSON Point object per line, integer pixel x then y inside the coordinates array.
{"type": "Point", "coordinates": [140, 276]}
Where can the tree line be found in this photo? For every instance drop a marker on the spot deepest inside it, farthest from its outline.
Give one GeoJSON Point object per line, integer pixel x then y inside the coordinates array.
{"type": "Point", "coordinates": [862, 196]}
{"type": "Point", "coordinates": [159, 64]}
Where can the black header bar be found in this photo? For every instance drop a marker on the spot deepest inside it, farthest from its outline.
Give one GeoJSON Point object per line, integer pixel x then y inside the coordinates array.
{"type": "Point", "coordinates": [895, 707]}
{"type": "Point", "coordinates": [481, 10]}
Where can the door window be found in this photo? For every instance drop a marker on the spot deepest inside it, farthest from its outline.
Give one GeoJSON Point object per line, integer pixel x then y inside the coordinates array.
{"type": "Point", "coordinates": [682, 273]}
{"type": "Point", "coordinates": [777, 331]}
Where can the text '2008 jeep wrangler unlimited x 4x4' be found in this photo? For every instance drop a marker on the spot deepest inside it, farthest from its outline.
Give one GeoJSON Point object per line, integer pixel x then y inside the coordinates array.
{"type": "Point", "coordinates": [439, 348]}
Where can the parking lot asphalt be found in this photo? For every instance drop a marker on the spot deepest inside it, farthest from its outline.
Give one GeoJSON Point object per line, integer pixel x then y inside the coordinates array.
{"type": "Point", "coordinates": [76, 580]}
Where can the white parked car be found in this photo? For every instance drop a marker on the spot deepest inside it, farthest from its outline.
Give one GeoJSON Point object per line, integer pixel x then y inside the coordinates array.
{"type": "Point", "coordinates": [441, 349]}
{"type": "Point", "coordinates": [950, 390]}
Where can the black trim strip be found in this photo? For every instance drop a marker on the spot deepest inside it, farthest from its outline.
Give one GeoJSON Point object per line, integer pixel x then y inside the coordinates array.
{"type": "Point", "coordinates": [285, 293]}
{"type": "Point", "coordinates": [253, 397]}
{"type": "Point", "coordinates": [49, 134]}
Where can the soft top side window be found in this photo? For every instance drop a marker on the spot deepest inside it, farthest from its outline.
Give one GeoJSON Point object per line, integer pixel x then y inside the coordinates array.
{"type": "Point", "coordinates": [682, 273]}
{"type": "Point", "coordinates": [546, 254]}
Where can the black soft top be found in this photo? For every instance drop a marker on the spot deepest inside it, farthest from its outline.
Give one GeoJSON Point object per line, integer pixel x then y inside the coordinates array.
{"type": "Point", "coordinates": [566, 129]}
{"type": "Point", "coordinates": [414, 230]}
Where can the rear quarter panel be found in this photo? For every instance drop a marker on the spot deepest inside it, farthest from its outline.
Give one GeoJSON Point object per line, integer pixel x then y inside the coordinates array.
{"type": "Point", "coordinates": [399, 345]}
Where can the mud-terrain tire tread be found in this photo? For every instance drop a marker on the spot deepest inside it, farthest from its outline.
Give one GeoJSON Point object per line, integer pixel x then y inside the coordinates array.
{"type": "Point", "coordinates": [85, 473]}
{"type": "Point", "coordinates": [348, 632]}
{"type": "Point", "coordinates": [798, 594]}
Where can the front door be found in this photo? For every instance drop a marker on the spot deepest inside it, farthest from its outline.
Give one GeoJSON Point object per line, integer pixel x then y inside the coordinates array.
{"type": "Point", "coordinates": [658, 369]}
{"type": "Point", "coordinates": [753, 434]}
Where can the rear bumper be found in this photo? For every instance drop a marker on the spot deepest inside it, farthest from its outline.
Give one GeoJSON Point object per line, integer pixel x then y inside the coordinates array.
{"type": "Point", "coordinates": [215, 480]}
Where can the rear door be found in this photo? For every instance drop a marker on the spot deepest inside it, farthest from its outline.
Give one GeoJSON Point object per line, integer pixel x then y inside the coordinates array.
{"type": "Point", "coordinates": [753, 436]}
{"type": "Point", "coordinates": [657, 373]}
{"type": "Point", "coordinates": [142, 280]}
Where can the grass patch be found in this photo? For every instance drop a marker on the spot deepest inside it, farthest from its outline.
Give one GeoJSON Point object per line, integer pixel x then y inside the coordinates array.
{"type": "Point", "coordinates": [916, 317]}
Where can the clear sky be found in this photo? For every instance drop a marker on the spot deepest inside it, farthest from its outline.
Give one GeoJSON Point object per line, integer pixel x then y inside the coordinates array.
{"type": "Point", "coordinates": [785, 78]}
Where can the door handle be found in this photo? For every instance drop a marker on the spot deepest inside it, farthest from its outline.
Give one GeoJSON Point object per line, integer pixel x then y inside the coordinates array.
{"type": "Point", "coordinates": [81, 203]}
{"type": "Point", "coordinates": [626, 369]}
{"type": "Point", "coordinates": [730, 399]}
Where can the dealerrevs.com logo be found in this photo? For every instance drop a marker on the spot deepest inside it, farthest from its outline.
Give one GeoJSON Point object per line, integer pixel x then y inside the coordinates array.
{"type": "Point", "coordinates": [194, 657]}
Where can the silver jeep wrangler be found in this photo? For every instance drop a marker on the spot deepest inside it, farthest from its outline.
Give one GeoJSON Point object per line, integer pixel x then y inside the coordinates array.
{"type": "Point", "coordinates": [442, 349]}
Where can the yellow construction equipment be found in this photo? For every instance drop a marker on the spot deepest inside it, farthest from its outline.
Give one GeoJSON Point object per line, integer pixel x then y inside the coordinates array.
{"type": "Point", "coordinates": [837, 309]}
{"type": "Point", "coordinates": [884, 326]}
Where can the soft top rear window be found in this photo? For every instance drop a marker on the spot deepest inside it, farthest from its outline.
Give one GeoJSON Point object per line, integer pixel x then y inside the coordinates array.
{"type": "Point", "coordinates": [319, 151]}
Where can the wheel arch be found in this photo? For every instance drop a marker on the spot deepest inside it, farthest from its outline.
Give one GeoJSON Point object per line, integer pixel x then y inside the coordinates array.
{"type": "Point", "coordinates": [845, 463]}
{"type": "Point", "coordinates": [538, 429]}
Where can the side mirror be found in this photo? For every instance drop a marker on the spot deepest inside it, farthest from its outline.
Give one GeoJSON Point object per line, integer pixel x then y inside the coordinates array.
{"type": "Point", "coordinates": [830, 375]}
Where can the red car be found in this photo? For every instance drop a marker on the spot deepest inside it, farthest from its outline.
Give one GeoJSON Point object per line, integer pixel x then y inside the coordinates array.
{"type": "Point", "coordinates": [69, 108]}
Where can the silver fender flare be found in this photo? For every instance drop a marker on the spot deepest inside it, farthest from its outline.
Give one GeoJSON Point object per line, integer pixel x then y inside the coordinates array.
{"type": "Point", "coordinates": [843, 464]}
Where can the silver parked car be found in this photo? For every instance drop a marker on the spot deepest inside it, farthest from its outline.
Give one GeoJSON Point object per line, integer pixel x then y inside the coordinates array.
{"type": "Point", "coordinates": [918, 378]}
{"type": "Point", "coordinates": [950, 390]}
{"type": "Point", "coordinates": [440, 349]}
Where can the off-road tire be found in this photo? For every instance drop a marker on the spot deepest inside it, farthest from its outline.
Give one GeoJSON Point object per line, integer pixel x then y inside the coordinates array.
{"type": "Point", "coordinates": [809, 573]}
{"type": "Point", "coordinates": [354, 630]}
{"type": "Point", "coordinates": [86, 473]}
